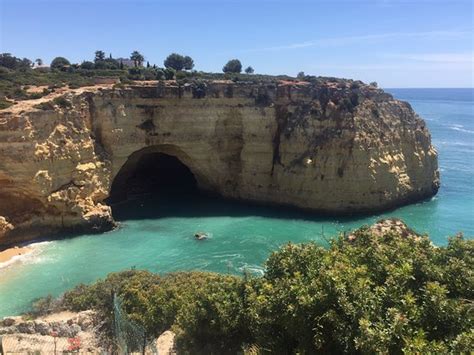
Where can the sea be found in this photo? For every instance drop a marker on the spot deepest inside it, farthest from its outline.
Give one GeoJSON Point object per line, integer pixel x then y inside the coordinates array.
{"type": "Point", "coordinates": [159, 235]}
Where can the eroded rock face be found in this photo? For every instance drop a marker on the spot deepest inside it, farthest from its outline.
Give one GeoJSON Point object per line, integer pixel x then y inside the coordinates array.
{"type": "Point", "coordinates": [330, 146]}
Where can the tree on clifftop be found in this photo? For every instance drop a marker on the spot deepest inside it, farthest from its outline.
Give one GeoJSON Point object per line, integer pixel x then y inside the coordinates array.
{"type": "Point", "coordinates": [249, 70]}
{"type": "Point", "coordinates": [99, 56]}
{"type": "Point", "coordinates": [137, 58]}
{"type": "Point", "coordinates": [14, 63]}
{"type": "Point", "coordinates": [232, 66]}
{"type": "Point", "coordinates": [59, 63]}
{"type": "Point", "coordinates": [179, 62]}
{"type": "Point", "coordinates": [188, 63]}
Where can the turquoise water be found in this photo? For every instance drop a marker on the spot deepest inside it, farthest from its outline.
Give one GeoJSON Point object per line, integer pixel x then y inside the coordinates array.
{"type": "Point", "coordinates": [159, 235]}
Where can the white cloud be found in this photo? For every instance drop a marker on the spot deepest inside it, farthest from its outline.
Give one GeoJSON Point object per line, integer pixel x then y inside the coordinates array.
{"type": "Point", "coordinates": [439, 66]}
{"type": "Point", "coordinates": [438, 57]}
{"type": "Point", "coordinates": [370, 38]}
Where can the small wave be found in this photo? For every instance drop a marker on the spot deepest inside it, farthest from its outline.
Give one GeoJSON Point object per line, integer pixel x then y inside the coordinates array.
{"type": "Point", "coordinates": [40, 244]}
{"type": "Point", "coordinates": [454, 143]}
{"type": "Point", "coordinates": [460, 129]}
{"type": "Point", "coordinates": [13, 260]}
{"type": "Point", "coordinates": [29, 257]}
{"type": "Point", "coordinates": [253, 269]}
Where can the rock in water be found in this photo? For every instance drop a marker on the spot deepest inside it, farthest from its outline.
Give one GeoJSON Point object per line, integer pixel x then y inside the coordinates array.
{"type": "Point", "coordinates": [333, 145]}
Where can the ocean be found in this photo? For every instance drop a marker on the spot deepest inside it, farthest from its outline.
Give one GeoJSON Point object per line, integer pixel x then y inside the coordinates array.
{"type": "Point", "coordinates": [159, 236]}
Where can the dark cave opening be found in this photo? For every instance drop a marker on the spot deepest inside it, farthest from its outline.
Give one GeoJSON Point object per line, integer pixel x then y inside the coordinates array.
{"type": "Point", "coordinates": [152, 174]}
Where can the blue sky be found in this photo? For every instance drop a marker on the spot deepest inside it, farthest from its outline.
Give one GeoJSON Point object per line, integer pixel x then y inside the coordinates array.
{"type": "Point", "coordinates": [398, 43]}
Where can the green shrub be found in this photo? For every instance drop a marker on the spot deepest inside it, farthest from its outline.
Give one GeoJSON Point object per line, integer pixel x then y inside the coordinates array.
{"type": "Point", "coordinates": [232, 66]}
{"type": "Point", "coordinates": [62, 102]}
{"type": "Point", "coordinates": [377, 294]}
{"type": "Point", "coordinates": [169, 73]}
{"type": "Point", "coordinates": [45, 106]}
{"type": "Point", "coordinates": [178, 62]}
{"type": "Point", "coordinates": [59, 63]}
{"type": "Point", "coordinates": [5, 104]}
{"type": "Point", "coordinates": [87, 65]}
{"type": "Point", "coordinates": [387, 294]}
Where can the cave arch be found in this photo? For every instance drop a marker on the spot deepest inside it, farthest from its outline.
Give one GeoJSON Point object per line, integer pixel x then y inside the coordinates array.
{"type": "Point", "coordinates": [162, 169]}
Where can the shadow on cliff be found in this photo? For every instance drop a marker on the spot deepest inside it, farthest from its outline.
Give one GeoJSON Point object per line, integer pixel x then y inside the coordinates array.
{"type": "Point", "coordinates": [195, 204]}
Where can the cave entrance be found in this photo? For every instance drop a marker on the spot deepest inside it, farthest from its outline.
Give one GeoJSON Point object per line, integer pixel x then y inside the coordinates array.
{"type": "Point", "coordinates": [154, 174]}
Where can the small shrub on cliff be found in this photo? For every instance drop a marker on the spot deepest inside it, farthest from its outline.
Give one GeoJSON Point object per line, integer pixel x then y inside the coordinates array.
{"type": "Point", "coordinates": [46, 106]}
{"type": "Point", "coordinates": [62, 102]}
{"type": "Point", "coordinates": [169, 73]}
{"type": "Point", "coordinates": [5, 104]}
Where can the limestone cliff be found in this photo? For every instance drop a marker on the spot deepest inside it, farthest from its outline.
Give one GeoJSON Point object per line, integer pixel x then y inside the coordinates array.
{"type": "Point", "coordinates": [332, 146]}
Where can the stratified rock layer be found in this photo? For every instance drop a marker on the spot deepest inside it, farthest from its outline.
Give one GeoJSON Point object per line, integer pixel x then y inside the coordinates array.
{"type": "Point", "coordinates": [330, 146]}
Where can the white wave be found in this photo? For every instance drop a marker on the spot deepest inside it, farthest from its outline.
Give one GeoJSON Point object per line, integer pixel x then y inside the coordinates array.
{"type": "Point", "coordinates": [253, 269]}
{"type": "Point", "coordinates": [460, 129]}
{"type": "Point", "coordinates": [29, 257]}
{"type": "Point", "coordinates": [454, 143]}
{"type": "Point", "coordinates": [13, 260]}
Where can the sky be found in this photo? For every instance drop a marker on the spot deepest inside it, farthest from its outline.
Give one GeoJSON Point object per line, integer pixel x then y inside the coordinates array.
{"type": "Point", "coordinates": [397, 43]}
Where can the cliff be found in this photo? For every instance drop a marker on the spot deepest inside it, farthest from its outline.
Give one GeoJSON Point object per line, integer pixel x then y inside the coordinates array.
{"type": "Point", "coordinates": [332, 146]}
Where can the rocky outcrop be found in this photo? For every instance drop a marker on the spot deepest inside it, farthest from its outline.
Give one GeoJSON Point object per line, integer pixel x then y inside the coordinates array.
{"type": "Point", "coordinates": [385, 226]}
{"type": "Point", "coordinates": [332, 146]}
{"type": "Point", "coordinates": [63, 332]}
{"type": "Point", "coordinates": [67, 332]}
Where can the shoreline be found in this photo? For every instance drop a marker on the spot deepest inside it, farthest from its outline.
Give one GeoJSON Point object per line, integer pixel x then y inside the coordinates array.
{"type": "Point", "coordinates": [10, 255]}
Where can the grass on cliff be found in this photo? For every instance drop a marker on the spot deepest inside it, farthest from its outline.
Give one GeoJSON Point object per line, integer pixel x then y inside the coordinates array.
{"type": "Point", "coordinates": [14, 84]}
{"type": "Point", "coordinates": [388, 294]}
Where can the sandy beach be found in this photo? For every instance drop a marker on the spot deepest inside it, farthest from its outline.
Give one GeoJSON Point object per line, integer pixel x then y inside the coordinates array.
{"type": "Point", "coordinates": [8, 254]}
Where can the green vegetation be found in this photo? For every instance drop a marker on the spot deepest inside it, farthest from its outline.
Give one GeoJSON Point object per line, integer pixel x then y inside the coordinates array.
{"type": "Point", "coordinates": [179, 62]}
{"type": "Point", "coordinates": [249, 70]}
{"type": "Point", "coordinates": [232, 66]}
{"type": "Point", "coordinates": [17, 74]}
{"type": "Point", "coordinates": [369, 294]}
{"type": "Point", "coordinates": [13, 63]}
{"type": "Point", "coordinates": [137, 58]}
{"type": "Point", "coordinates": [60, 63]}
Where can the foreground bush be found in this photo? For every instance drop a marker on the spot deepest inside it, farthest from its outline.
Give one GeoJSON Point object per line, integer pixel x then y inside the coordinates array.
{"type": "Point", "coordinates": [387, 294]}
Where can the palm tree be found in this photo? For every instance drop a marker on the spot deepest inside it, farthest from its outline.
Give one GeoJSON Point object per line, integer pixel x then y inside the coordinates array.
{"type": "Point", "coordinates": [137, 58]}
